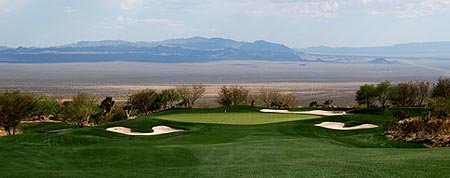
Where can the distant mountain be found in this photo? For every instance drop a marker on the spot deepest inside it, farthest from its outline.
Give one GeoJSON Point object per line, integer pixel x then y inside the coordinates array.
{"type": "Point", "coordinates": [196, 49]}
{"type": "Point", "coordinates": [382, 61]}
{"type": "Point", "coordinates": [429, 49]}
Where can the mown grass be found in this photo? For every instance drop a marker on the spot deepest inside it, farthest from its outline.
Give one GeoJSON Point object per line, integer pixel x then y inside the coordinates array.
{"type": "Point", "coordinates": [282, 149]}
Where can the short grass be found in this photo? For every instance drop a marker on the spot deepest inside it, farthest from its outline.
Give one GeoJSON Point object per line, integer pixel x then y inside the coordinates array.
{"type": "Point", "coordinates": [282, 149]}
{"type": "Point", "coordinates": [217, 116]}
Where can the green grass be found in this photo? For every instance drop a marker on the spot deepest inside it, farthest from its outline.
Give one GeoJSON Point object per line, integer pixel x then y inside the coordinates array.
{"type": "Point", "coordinates": [232, 117]}
{"type": "Point", "coordinates": [282, 149]}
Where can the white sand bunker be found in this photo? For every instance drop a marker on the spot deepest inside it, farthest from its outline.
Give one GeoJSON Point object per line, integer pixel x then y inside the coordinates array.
{"type": "Point", "coordinates": [158, 130]}
{"type": "Point", "coordinates": [313, 112]}
{"type": "Point", "coordinates": [340, 126]}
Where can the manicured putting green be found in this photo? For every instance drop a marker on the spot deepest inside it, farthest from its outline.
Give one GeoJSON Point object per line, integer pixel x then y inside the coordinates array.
{"type": "Point", "coordinates": [237, 118]}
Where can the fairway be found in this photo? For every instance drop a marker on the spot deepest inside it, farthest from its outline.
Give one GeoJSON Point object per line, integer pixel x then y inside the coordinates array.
{"type": "Point", "coordinates": [282, 149]}
{"type": "Point", "coordinates": [235, 118]}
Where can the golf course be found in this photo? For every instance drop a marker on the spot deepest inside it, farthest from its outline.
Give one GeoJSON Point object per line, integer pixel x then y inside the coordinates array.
{"type": "Point", "coordinates": [242, 142]}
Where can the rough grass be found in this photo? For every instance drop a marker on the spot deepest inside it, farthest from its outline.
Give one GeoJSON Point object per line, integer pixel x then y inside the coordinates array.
{"type": "Point", "coordinates": [284, 149]}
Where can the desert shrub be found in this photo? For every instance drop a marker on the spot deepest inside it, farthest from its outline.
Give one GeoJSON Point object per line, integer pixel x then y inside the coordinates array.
{"type": "Point", "coordinates": [276, 99]}
{"type": "Point", "coordinates": [401, 114]}
{"type": "Point", "coordinates": [434, 132]}
{"type": "Point", "coordinates": [313, 104]}
{"type": "Point", "coordinates": [233, 95]}
{"type": "Point", "coordinates": [118, 114]}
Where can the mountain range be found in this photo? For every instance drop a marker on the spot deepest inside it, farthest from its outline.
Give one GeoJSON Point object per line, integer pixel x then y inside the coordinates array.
{"type": "Point", "coordinates": [200, 49]}
{"type": "Point", "coordinates": [413, 50]}
{"type": "Point", "coordinates": [196, 49]}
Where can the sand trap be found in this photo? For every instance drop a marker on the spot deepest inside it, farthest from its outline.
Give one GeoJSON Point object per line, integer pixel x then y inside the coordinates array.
{"type": "Point", "coordinates": [38, 121]}
{"type": "Point", "coordinates": [313, 112]}
{"type": "Point", "coordinates": [158, 130]}
{"type": "Point", "coordinates": [59, 130]}
{"type": "Point", "coordinates": [340, 126]}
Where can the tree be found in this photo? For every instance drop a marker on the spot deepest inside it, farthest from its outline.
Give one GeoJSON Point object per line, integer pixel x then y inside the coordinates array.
{"type": "Point", "coordinates": [46, 106]}
{"type": "Point", "coordinates": [233, 95]}
{"type": "Point", "coordinates": [276, 99]}
{"type": "Point", "coordinates": [118, 113]}
{"type": "Point", "coordinates": [145, 101]}
{"type": "Point", "coordinates": [104, 114]}
{"type": "Point", "coordinates": [366, 95]}
{"type": "Point", "coordinates": [80, 109]}
{"type": "Point", "coordinates": [107, 105]}
{"type": "Point", "coordinates": [269, 97]}
{"type": "Point", "coordinates": [439, 107]}
{"type": "Point", "coordinates": [404, 94]}
{"type": "Point", "coordinates": [313, 104]}
{"type": "Point", "coordinates": [441, 88]}
{"type": "Point", "coordinates": [190, 94]}
{"type": "Point", "coordinates": [423, 89]}
{"type": "Point", "coordinates": [169, 97]}
{"type": "Point", "coordinates": [14, 107]}
{"type": "Point", "coordinates": [288, 100]}
{"type": "Point", "coordinates": [383, 93]}
{"type": "Point", "coordinates": [327, 103]}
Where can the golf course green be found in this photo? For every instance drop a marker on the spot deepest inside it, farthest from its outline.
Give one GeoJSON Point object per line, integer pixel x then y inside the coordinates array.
{"type": "Point", "coordinates": [244, 144]}
{"type": "Point", "coordinates": [218, 116]}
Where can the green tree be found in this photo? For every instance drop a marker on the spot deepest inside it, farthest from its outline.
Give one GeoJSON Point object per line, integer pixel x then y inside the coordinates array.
{"type": "Point", "coordinates": [404, 94]}
{"type": "Point", "coordinates": [80, 109]}
{"type": "Point", "coordinates": [233, 95]}
{"type": "Point", "coordinates": [145, 101]}
{"type": "Point", "coordinates": [383, 93]}
{"type": "Point", "coordinates": [14, 107]}
{"type": "Point", "coordinates": [366, 95]}
{"type": "Point", "coordinates": [190, 94]}
{"type": "Point", "coordinates": [169, 97]}
{"type": "Point", "coordinates": [439, 107]}
{"type": "Point", "coordinates": [441, 88]}
{"type": "Point", "coordinates": [46, 106]}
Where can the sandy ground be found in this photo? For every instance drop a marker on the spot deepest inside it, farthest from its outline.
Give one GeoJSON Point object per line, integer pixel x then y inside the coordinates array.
{"type": "Point", "coordinates": [158, 130]}
{"type": "Point", "coordinates": [59, 130]}
{"type": "Point", "coordinates": [36, 121]}
{"type": "Point", "coordinates": [313, 112]}
{"type": "Point", "coordinates": [340, 126]}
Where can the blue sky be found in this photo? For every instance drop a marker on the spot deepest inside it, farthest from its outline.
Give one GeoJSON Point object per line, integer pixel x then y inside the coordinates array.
{"type": "Point", "coordinates": [296, 23]}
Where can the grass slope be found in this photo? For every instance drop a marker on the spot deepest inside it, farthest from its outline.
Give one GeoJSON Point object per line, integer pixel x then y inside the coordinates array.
{"type": "Point", "coordinates": [284, 149]}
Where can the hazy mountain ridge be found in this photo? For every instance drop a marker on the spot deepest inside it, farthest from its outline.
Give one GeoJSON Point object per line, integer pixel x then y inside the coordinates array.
{"type": "Point", "coordinates": [200, 49]}
{"type": "Point", "coordinates": [196, 49]}
{"type": "Point", "coordinates": [426, 49]}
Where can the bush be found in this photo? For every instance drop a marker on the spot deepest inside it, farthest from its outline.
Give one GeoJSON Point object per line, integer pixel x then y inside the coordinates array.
{"type": "Point", "coordinates": [401, 114]}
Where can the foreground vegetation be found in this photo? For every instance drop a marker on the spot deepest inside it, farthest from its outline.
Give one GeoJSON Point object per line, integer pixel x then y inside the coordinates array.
{"type": "Point", "coordinates": [283, 149]}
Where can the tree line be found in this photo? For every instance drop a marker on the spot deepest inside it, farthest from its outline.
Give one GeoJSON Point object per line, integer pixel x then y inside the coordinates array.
{"type": "Point", "coordinates": [404, 94]}
{"type": "Point", "coordinates": [83, 108]}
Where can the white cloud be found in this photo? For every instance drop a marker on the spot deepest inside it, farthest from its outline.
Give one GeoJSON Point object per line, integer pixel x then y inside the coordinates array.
{"type": "Point", "coordinates": [121, 22]}
{"type": "Point", "coordinates": [69, 10]}
{"type": "Point", "coordinates": [9, 7]}
{"type": "Point", "coordinates": [131, 4]}
{"type": "Point", "coordinates": [411, 8]}
{"type": "Point", "coordinates": [162, 22]}
{"type": "Point", "coordinates": [323, 8]}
